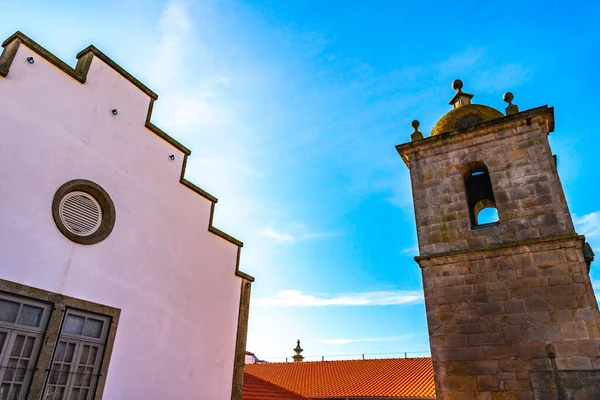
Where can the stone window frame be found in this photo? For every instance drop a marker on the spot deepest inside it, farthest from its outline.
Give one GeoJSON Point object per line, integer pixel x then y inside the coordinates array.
{"type": "Point", "coordinates": [59, 307]}
{"type": "Point", "coordinates": [100, 195]}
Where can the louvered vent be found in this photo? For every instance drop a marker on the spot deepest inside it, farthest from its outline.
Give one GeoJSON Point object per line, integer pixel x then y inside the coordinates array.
{"type": "Point", "coordinates": [80, 213]}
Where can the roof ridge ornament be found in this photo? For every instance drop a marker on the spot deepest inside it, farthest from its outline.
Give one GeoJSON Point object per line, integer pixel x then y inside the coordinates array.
{"type": "Point", "coordinates": [460, 98]}
{"type": "Point", "coordinates": [298, 357]}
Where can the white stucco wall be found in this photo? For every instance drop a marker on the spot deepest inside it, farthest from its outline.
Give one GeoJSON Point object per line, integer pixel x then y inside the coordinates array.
{"type": "Point", "coordinates": [173, 280]}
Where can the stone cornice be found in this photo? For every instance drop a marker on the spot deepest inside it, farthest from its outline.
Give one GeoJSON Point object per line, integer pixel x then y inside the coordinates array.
{"type": "Point", "coordinates": [79, 73]}
{"type": "Point", "coordinates": [482, 250]}
{"type": "Point", "coordinates": [456, 136]}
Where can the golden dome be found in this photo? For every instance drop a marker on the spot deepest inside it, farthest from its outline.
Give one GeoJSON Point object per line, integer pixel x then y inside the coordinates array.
{"type": "Point", "coordinates": [465, 116]}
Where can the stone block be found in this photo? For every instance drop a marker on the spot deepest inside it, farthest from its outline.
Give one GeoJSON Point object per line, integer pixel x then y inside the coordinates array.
{"type": "Point", "coordinates": [544, 332]}
{"type": "Point", "coordinates": [494, 286]}
{"type": "Point", "coordinates": [483, 395]}
{"type": "Point", "coordinates": [561, 303]}
{"type": "Point", "coordinates": [505, 396]}
{"type": "Point", "coordinates": [458, 353]}
{"type": "Point", "coordinates": [534, 317]}
{"type": "Point", "coordinates": [573, 363]}
{"type": "Point", "coordinates": [529, 350]}
{"type": "Point", "coordinates": [549, 257]}
{"type": "Point", "coordinates": [459, 382]}
{"type": "Point", "coordinates": [463, 289]}
{"type": "Point", "coordinates": [487, 338]}
{"type": "Point", "coordinates": [456, 368]}
{"type": "Point", "coordinates": [515, 334]}
{"type": "Point", "coordinates": [576, 348]}
{"type": "Point", "coordinates": [457, 340]}
{"type": "Point", "coordinates": [487, 382]}
{"type": "Point", "coordinates": [593, 328]}
{"type": "Point", "coordinates": [473, 327]}
{"type": "Point", "coordinates": [496, 352]}
{"type": "Point", "coordinates": [574, 330]}
{"type": "Point", "coordinates": [484, 367]}
{"type": "Point", "coordinates": [517, 385]}
{"type": "Point", "coordinates": [490, 308]}
{"type": "Point", "coordinates": [537, 304]}
{"type": "Point", "coordinates": [514, 306]}
{"type": "Point", "coordinates": [560, 280]}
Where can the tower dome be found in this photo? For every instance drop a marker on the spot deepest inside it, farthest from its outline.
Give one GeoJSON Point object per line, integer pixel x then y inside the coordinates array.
{"type": "Point", "coordinates": [464, 113]}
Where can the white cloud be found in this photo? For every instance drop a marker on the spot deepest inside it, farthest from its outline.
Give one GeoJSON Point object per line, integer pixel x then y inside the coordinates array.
{"type": "Point", "coordinates": [296, 298]}
{"type": "Point", "coordinates": [277, 236]}
{"type": "Point", "coordinates": [282, 237]}
{"type": "Point", "coordinates": [588, 225]}
{"type": "Point", "coordinates": [175, 30]}
{"type": "Point", "coordinates": [365, 340]}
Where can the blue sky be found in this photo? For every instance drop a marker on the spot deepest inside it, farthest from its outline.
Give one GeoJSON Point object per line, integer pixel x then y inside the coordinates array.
{"type": "Point", "coordinates": [292, 110]}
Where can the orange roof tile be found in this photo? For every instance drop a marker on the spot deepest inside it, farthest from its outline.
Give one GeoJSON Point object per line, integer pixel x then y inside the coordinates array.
{"type": "Point", "coordinates": [391, 377]}
{"type": "Point", "coordinates": [258, 389]}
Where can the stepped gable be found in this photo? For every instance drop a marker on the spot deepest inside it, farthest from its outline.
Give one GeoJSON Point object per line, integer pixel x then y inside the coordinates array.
{"type": "Point", "coordinates": [79, 74]}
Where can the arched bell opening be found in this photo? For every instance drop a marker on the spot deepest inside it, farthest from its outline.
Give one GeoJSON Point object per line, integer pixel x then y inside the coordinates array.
{"type": "Point", "coordinates": [480, 196]}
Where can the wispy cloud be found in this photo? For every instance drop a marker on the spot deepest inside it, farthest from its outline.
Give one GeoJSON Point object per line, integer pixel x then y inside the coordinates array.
{"type": "Point", "coordinates": [412, 250]}
{"type": "Point", "coordinates": [296, 298]}
{"type": "Point", "coordinates": [277, 236]}
{"type": "Point", "coordinates": [366, 340]}
{"type": "Point", "coordinates": [588, 225]}
{"type": "Point", "coordinates": [283, 237]}
{"type": "Point", "coordinates": [175, 28]}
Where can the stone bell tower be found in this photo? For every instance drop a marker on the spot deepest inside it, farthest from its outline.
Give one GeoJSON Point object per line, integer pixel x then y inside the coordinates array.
{"type": "Point", "coordinates": [510, 308]}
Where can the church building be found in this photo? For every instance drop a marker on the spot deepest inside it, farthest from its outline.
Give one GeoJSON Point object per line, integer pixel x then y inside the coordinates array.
{"type": "Point", "coordinates": [114, 283]}
{"type": "Point", "coordinates": [510, 307]}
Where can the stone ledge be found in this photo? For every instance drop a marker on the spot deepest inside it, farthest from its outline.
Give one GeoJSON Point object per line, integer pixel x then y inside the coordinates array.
{"type": "Point", "coordinates": [527, 242]}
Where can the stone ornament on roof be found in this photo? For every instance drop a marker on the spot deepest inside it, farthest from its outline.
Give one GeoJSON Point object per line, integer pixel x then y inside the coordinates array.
{"type": "Point", "coordinates": [298, 357]}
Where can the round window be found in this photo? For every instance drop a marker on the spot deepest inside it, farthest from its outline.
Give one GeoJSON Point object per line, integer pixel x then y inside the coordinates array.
{"type": "Point", "coordinates": [80, 213]}
{"type": "Point", "coordinates": [83, 211]}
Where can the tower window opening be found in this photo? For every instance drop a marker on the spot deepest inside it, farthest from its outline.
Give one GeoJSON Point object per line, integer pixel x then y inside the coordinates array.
{"type": "Point", "coordinates": [480, 196]}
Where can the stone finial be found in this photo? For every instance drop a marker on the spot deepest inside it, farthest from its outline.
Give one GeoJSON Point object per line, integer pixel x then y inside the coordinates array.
{"type": "Point", "coordinates": [298, 357]}
{"type": "Point", "coordinates": [416, 135]}
{"type": "Point", "coordinates": [460, 98]}
{"type": "Point", "coordinates": [512, 108]}
{"type": "Point", "coordinates": [457, 85]}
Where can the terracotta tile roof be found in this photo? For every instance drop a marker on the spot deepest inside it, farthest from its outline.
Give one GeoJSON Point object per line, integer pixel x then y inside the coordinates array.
{"type": "Point", "coordinates": [392, 377]}
{"type": "Point", "coordinates": [257, 389]}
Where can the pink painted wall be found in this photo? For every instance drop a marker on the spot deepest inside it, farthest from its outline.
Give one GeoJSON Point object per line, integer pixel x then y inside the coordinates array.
{"type": "Point", "coordinates": [173, 280]}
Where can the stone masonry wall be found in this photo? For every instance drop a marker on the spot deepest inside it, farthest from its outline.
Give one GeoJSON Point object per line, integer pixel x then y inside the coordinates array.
{"type": "Point", "coordinates": [573, 385]}
{"type": "Point", "coordinates": [528, 193]}
{"type": "Point", "coordinates": [491, 313]}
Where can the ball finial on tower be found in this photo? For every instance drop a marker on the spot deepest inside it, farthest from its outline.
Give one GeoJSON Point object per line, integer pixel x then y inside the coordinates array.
{"type": "Point", "coordinates": [511, 108]}
{"type": "Point", "coordinates": [457, 85]}
{"type": "Point", "coordinates": [416, 135]}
